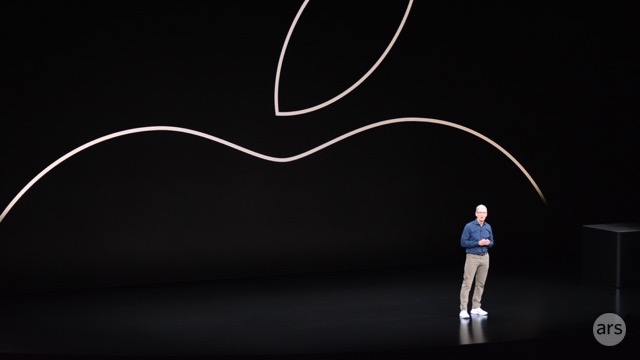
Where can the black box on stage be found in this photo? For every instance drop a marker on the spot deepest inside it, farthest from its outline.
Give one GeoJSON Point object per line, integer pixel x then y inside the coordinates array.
{"type": "Point", "coordinates": [609, 254]}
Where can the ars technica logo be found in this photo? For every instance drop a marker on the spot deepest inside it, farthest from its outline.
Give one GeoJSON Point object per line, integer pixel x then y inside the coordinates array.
{"type": "Point", "coordinates": [609, 329]}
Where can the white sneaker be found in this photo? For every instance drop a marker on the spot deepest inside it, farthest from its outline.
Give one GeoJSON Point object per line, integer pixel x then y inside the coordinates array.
{"type": "Point", "coordinates": [478, 311]}
{"type": "Point", "coordinates": [464, 314]}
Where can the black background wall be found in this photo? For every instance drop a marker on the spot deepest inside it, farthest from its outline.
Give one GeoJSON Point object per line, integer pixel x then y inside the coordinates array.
{"type": "Point", "coordinates": [554, 85]}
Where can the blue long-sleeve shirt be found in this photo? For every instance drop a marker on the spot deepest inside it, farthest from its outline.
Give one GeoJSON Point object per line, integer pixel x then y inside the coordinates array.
{"type": "Point", "coordinates": [472, 233]}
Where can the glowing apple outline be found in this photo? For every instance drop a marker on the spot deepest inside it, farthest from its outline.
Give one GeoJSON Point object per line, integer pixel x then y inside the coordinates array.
{"type": "Point", "coordinates": [290, 158]}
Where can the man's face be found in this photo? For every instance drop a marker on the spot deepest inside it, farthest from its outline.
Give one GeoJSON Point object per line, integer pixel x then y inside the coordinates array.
{"type": "Point", "coordinates": [481, 215]}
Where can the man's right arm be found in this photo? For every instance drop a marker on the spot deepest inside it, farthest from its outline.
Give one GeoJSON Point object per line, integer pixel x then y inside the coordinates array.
{"type": "Point", "coordinates": [465, 238]}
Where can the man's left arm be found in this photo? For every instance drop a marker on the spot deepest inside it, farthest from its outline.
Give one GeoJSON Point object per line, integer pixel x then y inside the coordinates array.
{"type": "Point", "coordinates": [490, 237]}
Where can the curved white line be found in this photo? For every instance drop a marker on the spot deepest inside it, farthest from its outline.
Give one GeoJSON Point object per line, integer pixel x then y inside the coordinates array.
{"type": "Point", "coordinates": [344, 93]}
{"type": "Point", "coordinates": [262, 156]}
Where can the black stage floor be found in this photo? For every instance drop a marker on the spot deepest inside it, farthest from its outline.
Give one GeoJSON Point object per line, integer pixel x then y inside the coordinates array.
{"type": "Point", "coordinates": [375, 314]}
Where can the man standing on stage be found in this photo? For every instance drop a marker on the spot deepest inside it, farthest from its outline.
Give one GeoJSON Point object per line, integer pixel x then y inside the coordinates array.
{"type": "Point", "coordinates": [477, 238]}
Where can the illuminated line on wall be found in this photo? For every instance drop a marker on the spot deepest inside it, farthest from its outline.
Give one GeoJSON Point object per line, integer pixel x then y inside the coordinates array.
{"type": "Point", "coordinates": [344, 93]}
{"type": "Point", "coordinates": [262, 156]}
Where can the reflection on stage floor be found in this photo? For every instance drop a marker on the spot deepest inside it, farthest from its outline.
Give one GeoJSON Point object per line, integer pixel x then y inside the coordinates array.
{"type": "Point", "coordinates": [399, 313]}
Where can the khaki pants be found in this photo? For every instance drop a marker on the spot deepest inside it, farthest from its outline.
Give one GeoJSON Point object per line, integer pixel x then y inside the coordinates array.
{"type": "Point", "coordinates": [475, 267]}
